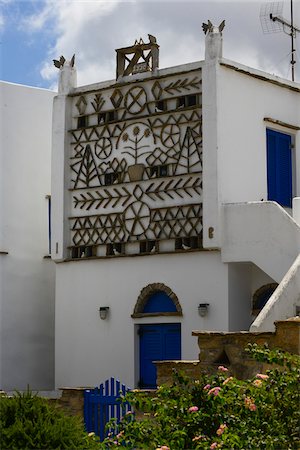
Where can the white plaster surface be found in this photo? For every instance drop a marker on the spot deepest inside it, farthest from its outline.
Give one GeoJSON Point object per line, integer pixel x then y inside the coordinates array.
{"type": "Point", "coordinates": [235, 106]}
{"type": "Point", "coordinates": [262, 233]}
{"type": "Point", "coordinates": [90, 350]}
{"type": "Point", "coordinates": [27, 279]}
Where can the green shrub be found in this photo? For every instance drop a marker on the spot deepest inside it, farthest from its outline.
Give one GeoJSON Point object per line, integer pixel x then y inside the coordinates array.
{"type": "Point", "coordinates": [30, 422]}
{"type": "Point", "coordinates": [219, 411]}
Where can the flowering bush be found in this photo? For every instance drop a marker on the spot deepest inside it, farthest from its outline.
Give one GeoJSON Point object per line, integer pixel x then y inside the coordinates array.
{"type": "Point", "coordinates": [218, 411]}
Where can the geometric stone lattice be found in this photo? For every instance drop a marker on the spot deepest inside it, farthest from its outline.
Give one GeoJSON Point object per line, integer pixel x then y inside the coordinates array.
{"type": "Point", "coordinates": [95, 230]}
{"type": "Point", "coordinates": [137, 218]}
{"type": "Point", "coordinates": [179, 221]}
{"type": "Point", "coordinates": [137, 221]}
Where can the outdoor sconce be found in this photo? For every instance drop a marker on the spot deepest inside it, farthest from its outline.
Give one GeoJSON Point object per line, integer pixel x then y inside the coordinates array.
{"type": "Point", "coordinates": [103, 312]}
{"type": "Point", "coordinates": [203, 309]}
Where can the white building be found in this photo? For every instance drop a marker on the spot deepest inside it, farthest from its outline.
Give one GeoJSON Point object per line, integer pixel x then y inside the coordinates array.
{"type": "Point", "coordinates": [26, 270]}
{"type": "Point", "coordinates": [215, 148]}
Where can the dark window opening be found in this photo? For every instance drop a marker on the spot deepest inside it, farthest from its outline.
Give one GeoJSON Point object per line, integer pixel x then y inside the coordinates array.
{"type": "Point", "coordinates": [82, 122]}
{"type": "Point", "coordinates": [83, 252]}
{"type": "Point", "coordinates": [147, 246]}
{"type": "Point", "coordinates": [110, 178]}
{"type": "Point", "coordinates": [188, 243]}
{"type": "Point", "coordinates": [181, 102]}
{"type": "Point", "coordinates": [158, 171]}
{"type": "Point", "coordinates": [108, 116]}
{"type": "Point", "coordinates": [111, 115]}
{"type": "Point", "coordinates": [101, 118]}
{"type": "Point", "coordinates": [161, 106]}
{"type": "Point", "coordinates": [187, 100]}
{"type": "Point", "coordinates": [117, 248]}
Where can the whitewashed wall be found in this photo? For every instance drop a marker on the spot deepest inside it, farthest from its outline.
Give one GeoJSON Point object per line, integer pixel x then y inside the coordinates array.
{"type": "Point", "coordinates": [27, 279]}
{"type": "Point", "coordinates": [234, 135]}
{"type": "Point", "coordinates": [244, 102]}
{"type": "Point", "coordinates": [89, 350]}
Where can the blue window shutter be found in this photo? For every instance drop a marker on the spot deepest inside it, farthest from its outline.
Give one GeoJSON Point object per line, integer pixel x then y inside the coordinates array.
{"type": "Point", "coordinates": [279, 167]}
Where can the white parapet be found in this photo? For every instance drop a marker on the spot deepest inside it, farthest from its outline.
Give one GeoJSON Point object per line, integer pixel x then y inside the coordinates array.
{"type": "Point", "coordinates": [262, 233]}
{"type": "Point", "coordinates": [296, 210]}
{"type": "Point", "coordinates": [283, 303]}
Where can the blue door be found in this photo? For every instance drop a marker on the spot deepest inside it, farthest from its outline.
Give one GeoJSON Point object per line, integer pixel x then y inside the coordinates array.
{"type": "Point", "coordinates": [157, 342]}
{"type": "Point", "coordinates": [279, 167]}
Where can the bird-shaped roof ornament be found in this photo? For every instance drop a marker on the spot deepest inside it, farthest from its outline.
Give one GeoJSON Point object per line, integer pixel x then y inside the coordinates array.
{"type": "Point", "coordinates": [59, 63]}
{"type": "Point", "coordinates": [210, 28]}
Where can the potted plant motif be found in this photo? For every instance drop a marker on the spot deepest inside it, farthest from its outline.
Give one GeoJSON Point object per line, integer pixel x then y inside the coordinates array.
{"type": "Point", "coordinates": [136, 170]}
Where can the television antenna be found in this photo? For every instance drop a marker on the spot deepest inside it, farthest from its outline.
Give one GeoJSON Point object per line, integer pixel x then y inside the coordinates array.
{"type": "Point", "coordinates": [272, 21]}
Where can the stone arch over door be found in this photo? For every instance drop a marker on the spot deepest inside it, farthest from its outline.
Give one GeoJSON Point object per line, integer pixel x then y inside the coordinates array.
{"type": "Point", "coordinates": [146, 294]}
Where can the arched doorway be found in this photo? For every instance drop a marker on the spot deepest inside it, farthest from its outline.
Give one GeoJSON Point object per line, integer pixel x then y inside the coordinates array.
{"type": "Point", "coordinates": [157, 341]}
{"type": "Point", "coordinates": [261, 296]}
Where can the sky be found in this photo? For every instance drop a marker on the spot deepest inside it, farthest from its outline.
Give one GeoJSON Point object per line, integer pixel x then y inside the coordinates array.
{"type": "Point", "coordinates": [34, 32]}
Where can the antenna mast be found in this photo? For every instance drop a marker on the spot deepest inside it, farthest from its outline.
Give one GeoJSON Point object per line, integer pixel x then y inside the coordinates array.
{"type": "Point", "coordinates": [270, 17]}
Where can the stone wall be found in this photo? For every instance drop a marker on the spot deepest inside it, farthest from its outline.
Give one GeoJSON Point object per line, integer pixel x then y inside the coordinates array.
{"type": "Point", "coordinates": [216, 348]}
{"type": "Point", "coordinates": [72, 401]}
{"type": "Point", "coordinates": [228, 348]}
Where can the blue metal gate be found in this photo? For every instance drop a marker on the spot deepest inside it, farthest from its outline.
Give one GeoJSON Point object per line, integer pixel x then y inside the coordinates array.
{"type": "Point", "coordinates": [102, 404]}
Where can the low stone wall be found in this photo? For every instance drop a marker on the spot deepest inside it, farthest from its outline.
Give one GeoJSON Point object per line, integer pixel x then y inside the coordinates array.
{"type": "Point", "coordinates": [228, 348]}
{"type": "Point", "coordinates": [225, 348]}
{"type": "Point", "coordinates": [72, 401]}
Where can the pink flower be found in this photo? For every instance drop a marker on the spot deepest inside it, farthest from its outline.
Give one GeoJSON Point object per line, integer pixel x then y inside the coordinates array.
{"type": "Point", "coordinates": [262, 376]}
{"type": "Point", "coordinates": [257, 383]}
{"type": "Point", "coordinates": [221, 429]}
{"type": "Point", "coordinates": [206, 387]}
{"type": "Point", "coordinates": [213, 445]}
{"type": "Point", "coordinates": [249, 403]}
{"type": "Point", "coordinates": [227, 380]}
{"type": "Point", "coordinates": [215, 391]}
{"type": "Point", "coordinates": [223, 369]}
{"type": "Point", "coordinates": [193, 409]}
{"type": "Point", "coordinates": [197, 438]}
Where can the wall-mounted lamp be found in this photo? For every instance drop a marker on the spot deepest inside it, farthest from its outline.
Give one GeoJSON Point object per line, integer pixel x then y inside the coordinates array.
{"type": "Point", "coordinates": [103, 312]}
{"type": "Point", "coordinates": [203, 309]}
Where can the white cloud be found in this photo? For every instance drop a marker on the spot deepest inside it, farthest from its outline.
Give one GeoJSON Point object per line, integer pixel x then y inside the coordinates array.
{"type": "Point", "coordinates": [3, 3]}
{"type": "Point", "coordinates": [93, 29]}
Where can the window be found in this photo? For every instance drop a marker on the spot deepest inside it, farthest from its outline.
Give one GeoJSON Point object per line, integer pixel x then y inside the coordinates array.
{"type": "Point", "coordinates": [161, 106]}
{"type": "Point", "coordinates": [279, 167]}
{"type": "Point", "coordinates": [147, 246]}
{"type": "Point", "coordinates": [158, 171]}
{"type": "Point", "coordinates": [110, 178]}
{"type": "Point", "coordinates": [108, 116]}
{"type": "Point", "coordinates": [82, 122]}
{"type": "Point", "coordinates": [116, 249]}
{"type": "Point", "coordinates": [188, 243]}
{"type": "Point", "coordinates": [83, 252]}
{"type": "Point", "coordinates": [187, 101]}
